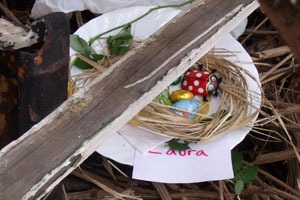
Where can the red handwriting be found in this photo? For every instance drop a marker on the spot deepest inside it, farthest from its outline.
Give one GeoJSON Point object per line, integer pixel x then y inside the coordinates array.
{"type": "Point", "coordinates": [154, 152]}
{"type": "Point", "coordinates": [189, 152]}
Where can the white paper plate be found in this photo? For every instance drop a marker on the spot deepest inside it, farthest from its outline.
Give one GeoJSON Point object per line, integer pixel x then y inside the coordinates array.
{"type": "Point", "coordinates": [117, 147]}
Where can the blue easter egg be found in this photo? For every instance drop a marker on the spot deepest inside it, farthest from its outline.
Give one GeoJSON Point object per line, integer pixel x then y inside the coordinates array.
{"type": "Point", "coordinates": [189, 105]}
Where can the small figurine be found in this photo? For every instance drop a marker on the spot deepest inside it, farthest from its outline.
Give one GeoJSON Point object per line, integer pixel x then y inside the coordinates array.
{"type": "Point", "coordinates": [201, 83]}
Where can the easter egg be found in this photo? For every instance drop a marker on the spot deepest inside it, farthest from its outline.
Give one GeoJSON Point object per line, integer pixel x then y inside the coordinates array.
{"type": "Point", "coordinates": [203, 110]}
{"type": "Point", "coordinates": [188, 105]}
{"type": "Point", "coordinates": [135, 122]}
{"type": "Point", "coordinates": [180, 95]}
{"type": "Point", "coordinates": [163, 98]}
{"type": "Point", "coordinates": [177, 81]}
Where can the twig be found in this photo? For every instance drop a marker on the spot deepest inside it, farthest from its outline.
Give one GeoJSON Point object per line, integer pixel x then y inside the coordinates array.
{"type": "Point", "coordinates": [271, 53]}
{"type": "Point", "coordinates": [261, 32]}
{"type": "Point", "coordinates": [9, 14]}
{"type": "Point", "coordinates": [274, 157]}
{"type": "Point", "coordinates": [270, 190]}
{"type": "Point", "coordinates": [254, 196]}
{"type": "Point", "coordinates": [255, 29]}
{"type": "Point", "coordinates": [119, 170]}
{"type": "Point", "coordinates": [79, 19]}
{"type": "Point", "coordinates": [273, 78]}
{"type": "Point", "coordinates": [276, 197]}
{"type": "Point", "coordinates": [198, 194]}
{"type": "Point", "coordinates": [105, 181]}
{"type": "Point", "coordinates": [276, 66]}
{"type": "Point", "coordinates": [64, 192]}
{"type": "Point", "coordinates": [279, 182]}
{"type": "Point", "coordinates": [91, 62]}
{"type": "Point", "coordinates": [108, 168]}
{"type": "Point", "coordinates": [106, 188]}
{"type": "Point", "coordinates": [221, 190]}
{"type": "Point", "coordinates": [162, 191]}
{"type": "Point", "coordinates": [227, 191]}
{"type": "Point", "coordinates": [283, 193]}
{"type": "Point", "coordinates": [174, 187]}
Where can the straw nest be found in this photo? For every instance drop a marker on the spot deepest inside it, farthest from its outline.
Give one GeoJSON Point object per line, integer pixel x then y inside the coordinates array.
{"type": "Point", "coordinates": [231, 113]}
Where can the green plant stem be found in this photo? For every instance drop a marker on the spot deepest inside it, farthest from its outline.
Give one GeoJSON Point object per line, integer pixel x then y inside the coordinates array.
{"type": "Point", "coordinates": [93, 39]}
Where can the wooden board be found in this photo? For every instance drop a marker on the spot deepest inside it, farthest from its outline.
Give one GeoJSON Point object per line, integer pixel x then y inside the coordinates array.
{"type": "Point", "coordinates": [32, 165]}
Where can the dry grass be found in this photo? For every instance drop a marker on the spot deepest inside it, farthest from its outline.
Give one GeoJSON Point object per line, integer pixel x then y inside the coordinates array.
{"type": "Point", "coordinates": [232, 112]}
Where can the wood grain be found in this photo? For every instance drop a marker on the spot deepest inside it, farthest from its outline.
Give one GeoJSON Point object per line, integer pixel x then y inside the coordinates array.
{"type": "Point", "coordinates": [49, 151]}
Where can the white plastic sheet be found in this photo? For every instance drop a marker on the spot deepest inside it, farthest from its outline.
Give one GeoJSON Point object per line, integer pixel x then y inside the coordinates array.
{"type": "Point", "coordinates": [43, 7]}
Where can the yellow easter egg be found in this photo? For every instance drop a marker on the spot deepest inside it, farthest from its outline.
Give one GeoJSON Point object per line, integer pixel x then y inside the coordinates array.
{"type": "Point", "coordinates": [203, 110]}
{"type": "Point", "coordinates": [180, 95]}
{"type": "Point", "coordinates": [71, 88]}
{"type": "Point", "coordinates": [135, 122]}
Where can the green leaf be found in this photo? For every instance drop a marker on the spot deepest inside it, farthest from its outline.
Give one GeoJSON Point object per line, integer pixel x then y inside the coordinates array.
{"type": "Point", "coordinates": [115, 47]}
{"type": "Point", "coordinates": [82, 64]}
{"type": "Point", "coordinates": [238, 187]}
{"type": "Point", "coordinates": [176, 145]}
{"type": "Point", "coordinates": [97, 57]}
{"type": "Point", "coordinates": [125, 33]}
{"type": "Point", "coordinates": [80, 45]}
{"type": "Point", "coordinates": [246, 175]}
{"type": "Point", "coordinates": [123, 50]}
{"type": "Point", "coordinates": [77, 43]}
{"type": "Point", "coordinates": [86, 51]}
{"type": "Point", "coordinates": [120, 43]}
{"type": "Point", "coordinates": [237, 161]}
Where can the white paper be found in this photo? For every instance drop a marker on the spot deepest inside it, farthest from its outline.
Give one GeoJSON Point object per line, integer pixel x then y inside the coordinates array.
{"type": "Point", "coordinates": [203, 162]}
{"type": "Point", "coordinates": [118, 149]}
{"type": "Point", "coordinates": [141, 139]}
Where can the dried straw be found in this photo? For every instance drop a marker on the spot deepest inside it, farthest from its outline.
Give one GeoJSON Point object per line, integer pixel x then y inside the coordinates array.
{"type": "Point", "coordinates": [232, 113]}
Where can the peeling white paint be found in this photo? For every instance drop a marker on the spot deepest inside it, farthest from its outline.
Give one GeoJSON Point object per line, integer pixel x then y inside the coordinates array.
{"type": "Point", "coordinates": [15, 37]}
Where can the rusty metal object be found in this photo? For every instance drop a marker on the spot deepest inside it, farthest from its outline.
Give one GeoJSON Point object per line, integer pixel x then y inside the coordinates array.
{"type": "Point", "coordinates": [8, 98]}
{"type": "Point", "coordinates": [33, 80]}
{"type": "Point", "coordinates": [43, 75]}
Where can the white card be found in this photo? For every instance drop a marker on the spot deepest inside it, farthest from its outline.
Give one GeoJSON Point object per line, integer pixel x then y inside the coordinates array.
{"type": "Point", "coordinates": [203, 162]}
{"type": "Point", "coordinates": [123, 154]}
{"type": "Point", "coordinates": [141, 139]}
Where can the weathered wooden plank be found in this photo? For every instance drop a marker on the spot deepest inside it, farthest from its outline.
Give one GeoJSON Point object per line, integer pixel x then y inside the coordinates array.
{"type": "Point", "coordinates": [36, 162]}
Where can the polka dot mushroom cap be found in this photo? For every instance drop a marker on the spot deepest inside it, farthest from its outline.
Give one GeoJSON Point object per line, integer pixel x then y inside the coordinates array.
{"type": "Point", "coordinates": [199, 82]}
